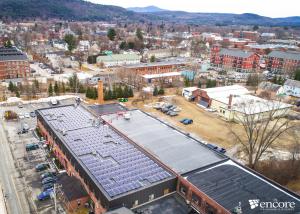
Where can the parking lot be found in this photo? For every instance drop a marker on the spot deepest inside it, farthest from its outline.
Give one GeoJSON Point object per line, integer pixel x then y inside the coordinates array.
{"type": "Point", "coordinates": [25, 161]}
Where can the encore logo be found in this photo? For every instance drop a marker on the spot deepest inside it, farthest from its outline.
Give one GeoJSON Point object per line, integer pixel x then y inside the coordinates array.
{"type": "Point", "coordinates": [272, 205]}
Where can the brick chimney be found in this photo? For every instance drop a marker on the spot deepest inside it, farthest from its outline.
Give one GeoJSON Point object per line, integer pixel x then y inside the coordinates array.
{"type": "Point", "coordinates": [100, 92]}
{"type": "Point", "coordinates": [230, 101]}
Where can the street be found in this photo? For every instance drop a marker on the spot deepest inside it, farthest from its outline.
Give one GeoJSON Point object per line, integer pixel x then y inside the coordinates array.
{"type": "Point", "coordinates": [11, 183]}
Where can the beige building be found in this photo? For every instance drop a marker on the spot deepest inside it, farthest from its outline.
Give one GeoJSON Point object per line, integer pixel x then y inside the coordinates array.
{"type": "Point", "coordinates": [234, 103]}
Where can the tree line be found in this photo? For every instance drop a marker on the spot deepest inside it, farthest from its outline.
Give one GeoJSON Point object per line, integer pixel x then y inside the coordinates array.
{"type": "Point", "coordinates": [118, 92]}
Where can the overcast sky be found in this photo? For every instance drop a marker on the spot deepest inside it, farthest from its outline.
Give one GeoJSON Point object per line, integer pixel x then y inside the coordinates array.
{"type": "Point", "coordinates": [271, 8]}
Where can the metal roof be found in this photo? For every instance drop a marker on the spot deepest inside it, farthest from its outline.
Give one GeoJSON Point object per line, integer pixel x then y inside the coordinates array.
{"type": "Point", "coordinates": [175, 149]}
{"type": "Point", "coordinates": [285, 55]}
{"type": "Point", "coordinates": [236, 53]}
{"type": "Point", "coordinates": [230, 184]}
{"type": "Point", "coordinates": [171, 204]}
{"type": "Point", "coordinates": [107, 108]}
{"type": "Point", "coordinates": [11, 54]}
{"type": "Point", "coordinates": [118, 166]}
{"type": "Point", "coordinates": [165, 63]}
{"type": "Point", "coordinates": [292, 83]}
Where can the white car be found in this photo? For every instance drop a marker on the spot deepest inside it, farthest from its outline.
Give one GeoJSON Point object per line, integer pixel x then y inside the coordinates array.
{"type": "Point", "coordinates": [21, 116]}
{"type": "Point", "coordinates": [27, 115]}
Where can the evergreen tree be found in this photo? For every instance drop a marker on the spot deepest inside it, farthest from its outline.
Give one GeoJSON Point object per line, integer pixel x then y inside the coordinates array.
{"type": "Point", "coordinates": [119, 92]}
{"type": "Point", "coordinates": [11, 86]}
{"type": "Point", "coordinates": [161, 91]}
{"type": "Point", "coordinates": [17, 94]}
{"type": "Point", "coordinates": [155, 91]}
{"type": "Point", "coordinates": [56, 88]}
{"type": "Point", "coordinates": [37, 84]}
{"type": "Point", "coordinates": [126, 92]}
{"type": "Point", "coordinates": [208, 83]}
{"type": "Point", "coordinates": [152, 58]}
{"type": "Point", "coordinates": [297, 75]}
{"type": "Point", "coordinates": [110, 95]}
{"type": "Point", "coordinates": [50, 90]}
{"type": "Point", "coordinates": [71, 41]}
{"type": "Point", "coordinates": [123, 45]}
{"type": "Point", "coordinates": [130, 92]}
{"type": "Point", "coordinates": [63, 88]}
{"type": "Point", "coordinates": [139, 34]}
{"type": "Point", "coordinates": [106, 96]}
{"type": "Point", "coordinates": [8, 44]}
{"type": "Point", "coordinates": [95, 93]}
{"type": "Point", "coordinates": [111, 34]}
{"type": "Point", "coordinates": [199, 84]}
{"type": "Point", "coordinates": [186, 82]}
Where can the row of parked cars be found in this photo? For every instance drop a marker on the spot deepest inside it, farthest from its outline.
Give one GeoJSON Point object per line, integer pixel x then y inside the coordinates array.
{"type": "Point", "coordinates": [48, 176]}
{"type": "Point", "coordinates": [167, 108]}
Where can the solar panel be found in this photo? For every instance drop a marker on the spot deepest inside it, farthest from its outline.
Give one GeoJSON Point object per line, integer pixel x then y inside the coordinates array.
{"type": "Point", "coordinates": [115, 163]}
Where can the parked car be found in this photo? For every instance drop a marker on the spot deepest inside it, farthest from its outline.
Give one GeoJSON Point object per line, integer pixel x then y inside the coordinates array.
{"type": "Point", "coordinates": [41, 167]}
{"type": "Point", "coordinates": [187, 121]}
{"type": "Point", "coordinates": [20, 105]}
{"type": "Point", "coordinates": [53, 102]}
{"type": "Point", "coordinates": [173, 114]}
{"type": "Point", "coordinates": [49, 180]}
{"type": "Point", "coordinates": [47, 175]}
{"type": "Point", "coordinates": [45, 195]}
{"type": "Point", "coordinates": [32, 114]}
{"type": "Point", "coordinates": [47, 186]}
{"type": "Point", "coordinates": [32, 146]}
{"type": "Point", "coordinates": [22, 131]}
{"type": "Point", "coordinates": [21, 115]}
{"type": "Point", "coordinates": [216, 148]}
{"type": "Point", "coordinates": [158, 105]}
{"type": "Point", "coordinates": [27, 115]}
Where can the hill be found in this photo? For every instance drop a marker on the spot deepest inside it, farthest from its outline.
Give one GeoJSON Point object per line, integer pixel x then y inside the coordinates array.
{"type": "Point", "coordinates": [225, 19]}
{"type": "Point", "coordinates": [149, 9]}
{"type": "Point", "coordinates": [65, 9]}
{"type": "Point", "coordinates": [81, 10]}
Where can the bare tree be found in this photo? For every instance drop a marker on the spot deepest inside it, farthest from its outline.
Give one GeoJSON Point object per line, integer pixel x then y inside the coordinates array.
{"type": "Point", "coordinates": [262, 124]}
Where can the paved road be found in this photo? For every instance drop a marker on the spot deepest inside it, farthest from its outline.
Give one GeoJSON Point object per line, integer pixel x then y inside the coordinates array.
{"type": "Point", "coordinates": [16, 200]}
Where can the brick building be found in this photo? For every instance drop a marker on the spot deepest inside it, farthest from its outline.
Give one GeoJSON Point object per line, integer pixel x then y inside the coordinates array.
{"type": "Point", "coordinates": [283, 61]}
{"type": "Point", "coordinates": [252, 35]}
{"type": "Point", "coordinates": [13, 63]}
{"type": "Point", "coordinates": [234, 59]}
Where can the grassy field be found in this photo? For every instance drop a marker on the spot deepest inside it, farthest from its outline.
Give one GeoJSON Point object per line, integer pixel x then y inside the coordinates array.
{"type": "Point", "coordinates": [207, 125]}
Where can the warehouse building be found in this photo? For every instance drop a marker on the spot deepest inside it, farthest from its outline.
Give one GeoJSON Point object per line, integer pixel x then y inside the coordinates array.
{"type": "Point", "coordinates": [112, 169]}
{"type": "Point", "coordinates": [208, 181]}
{"type": "Point", "coordinates": [235, 102]}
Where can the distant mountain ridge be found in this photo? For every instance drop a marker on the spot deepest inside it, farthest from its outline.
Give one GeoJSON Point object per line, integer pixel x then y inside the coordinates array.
{"type": "Point", "coordinates": [80, 10]}
{"type": "Point", "coordinates": [148, 9]}
{"type": "Point", "coordinates": [65, 9]}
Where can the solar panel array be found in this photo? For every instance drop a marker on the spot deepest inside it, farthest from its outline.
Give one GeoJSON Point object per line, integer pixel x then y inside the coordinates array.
{"type": "Point", "coordinates": [67, 118]}
{"type": "Point", "coordinates": [116, 164]}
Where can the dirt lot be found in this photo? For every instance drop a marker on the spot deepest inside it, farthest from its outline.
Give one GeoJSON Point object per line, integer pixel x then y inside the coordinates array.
{"type": "Point", "coordinates": [207, 125]}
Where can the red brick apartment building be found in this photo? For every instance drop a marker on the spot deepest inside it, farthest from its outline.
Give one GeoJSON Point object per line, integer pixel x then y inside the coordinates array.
{"type": "Point", "coordinates": [252, 35]}
{"type": "Point", "coordinates": [234, 59]}
{"type": "Point", "coordinates": [283, 61]}
{"type": "Point", "coordinates": [13, 63]}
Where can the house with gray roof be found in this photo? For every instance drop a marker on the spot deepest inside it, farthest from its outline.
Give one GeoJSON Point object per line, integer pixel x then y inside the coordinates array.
{"type": "Point", "coordinates": [292, 88]}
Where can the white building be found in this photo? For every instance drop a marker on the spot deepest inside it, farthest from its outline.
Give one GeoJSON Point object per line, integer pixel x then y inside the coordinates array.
{"type": "Point", "coordinates": [119, 59]}
{"type": "Point", "coordinates": [234, 103]}
{"type": "Point", "coordinates": [292, 88]}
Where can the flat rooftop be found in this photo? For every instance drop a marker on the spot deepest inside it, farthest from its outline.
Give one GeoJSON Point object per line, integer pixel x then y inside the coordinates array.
{"type": "Point", "coordinates": [116, 165]}
{"type": "Point", "coordinates": [175, 149]}
{"type": "Point", "coordinates": [230, 184]}
{"type": "Point", "coordinates": [107, 108]}
{"type": "Point", "coordinates": [171, 204]}
{"type": "Point", "coordinates": [165, 63]}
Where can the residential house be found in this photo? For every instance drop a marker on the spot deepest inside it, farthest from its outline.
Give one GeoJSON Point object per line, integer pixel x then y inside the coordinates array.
{"type": "Point", "coordinates": [269, 90]}
{"type": "Point", "coordinates": [292, 88]}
